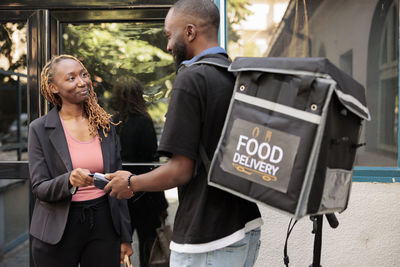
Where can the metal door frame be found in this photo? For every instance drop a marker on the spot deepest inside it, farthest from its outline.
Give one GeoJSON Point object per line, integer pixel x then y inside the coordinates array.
{"type": "Point", "coordinates": [43, 41]}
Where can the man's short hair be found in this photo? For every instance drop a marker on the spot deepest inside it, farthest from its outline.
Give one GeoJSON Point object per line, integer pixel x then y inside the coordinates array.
{"type": "Point", "coordinates": [202, 9]}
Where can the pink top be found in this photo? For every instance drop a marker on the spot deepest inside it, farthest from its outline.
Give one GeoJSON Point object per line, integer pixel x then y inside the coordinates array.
{"type": "Point", "coordinates": [85, 155]}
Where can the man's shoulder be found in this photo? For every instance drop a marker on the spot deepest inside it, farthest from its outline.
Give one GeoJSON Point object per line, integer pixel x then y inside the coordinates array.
{"type": "Point", "coordinates": [206, 67]}
{"type": "Point", "coordinates": [190, 76]}
{"type": "Point", "coordinates": [217, 60]}
{"type": "Point", "coordinates": [207, 61]}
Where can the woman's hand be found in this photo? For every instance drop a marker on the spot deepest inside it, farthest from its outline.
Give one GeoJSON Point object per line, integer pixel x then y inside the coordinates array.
{"type": "Point", "coordinates": [80, 178]}
{"type": "Point", "coordinates": [126, 248]}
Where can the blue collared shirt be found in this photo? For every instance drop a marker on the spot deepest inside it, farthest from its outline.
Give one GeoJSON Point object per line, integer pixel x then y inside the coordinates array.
{"type": "Point", "coordinates": [212, 50]}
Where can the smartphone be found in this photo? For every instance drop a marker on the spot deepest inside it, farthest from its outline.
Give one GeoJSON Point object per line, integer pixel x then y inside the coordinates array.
{"type": "Point", "coordinates": [99, 180]}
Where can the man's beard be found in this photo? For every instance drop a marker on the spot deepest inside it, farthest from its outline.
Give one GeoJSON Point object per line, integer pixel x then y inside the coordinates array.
{"type": "Point", "coordinates": [179, 52]}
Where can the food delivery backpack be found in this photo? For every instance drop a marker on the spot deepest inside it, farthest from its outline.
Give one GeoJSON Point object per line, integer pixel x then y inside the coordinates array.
{"type": "Point", "coordinates": [290, 135]}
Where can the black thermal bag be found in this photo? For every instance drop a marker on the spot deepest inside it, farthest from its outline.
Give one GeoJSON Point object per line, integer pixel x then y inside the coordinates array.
{"type": "Point", "coordinates": [290, 135]}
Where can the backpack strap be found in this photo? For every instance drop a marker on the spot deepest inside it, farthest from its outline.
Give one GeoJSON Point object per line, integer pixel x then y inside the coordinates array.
{"type": "Point", "coordinates": [218, 61]}
{"type": "Point", "coordinates": [222, 62]}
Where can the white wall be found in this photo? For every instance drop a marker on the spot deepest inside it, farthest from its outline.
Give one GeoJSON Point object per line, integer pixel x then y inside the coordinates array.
{"type": "Point", "coordinates": [368, 233]}
{"type": "Point", "coordinates": [334, 26]}
{"type": "Point", "coordinates": [369, 230]}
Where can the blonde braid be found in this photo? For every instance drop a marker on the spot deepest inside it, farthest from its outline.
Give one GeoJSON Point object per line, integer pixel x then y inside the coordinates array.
{"type": "Point", "coordinates": [97, 116]}
{"type": "Point", "coordinates": [46, 80]}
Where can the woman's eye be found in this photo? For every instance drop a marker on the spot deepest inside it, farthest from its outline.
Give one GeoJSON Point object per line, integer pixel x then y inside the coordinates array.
{"type": "Point", "coordinates": [71, 78]}
{"type": "Point", "coordinates": [84, 75]}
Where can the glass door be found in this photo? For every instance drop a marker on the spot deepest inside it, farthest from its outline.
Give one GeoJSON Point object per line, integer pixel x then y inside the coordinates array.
{"type": "Point", "coordinates": [117, 44]}
{"type": "Point", "coordinates": [132, 74]}
{"type": "Point", "coordinates": [15, 27]}
{"type": "Point", "coordinates": [125, 54]}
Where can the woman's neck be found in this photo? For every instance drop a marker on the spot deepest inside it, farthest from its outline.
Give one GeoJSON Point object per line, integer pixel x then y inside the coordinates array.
{"type": "Point", "coordinates": [72, 112]}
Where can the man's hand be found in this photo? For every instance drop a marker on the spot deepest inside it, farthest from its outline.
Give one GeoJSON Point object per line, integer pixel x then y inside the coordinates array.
{"type": "Point", "coordinates": [126, 248]}
{"type": "Point", "coordinates": [176, 172]}
{"type": "Point", "coordinates": [118, 185]}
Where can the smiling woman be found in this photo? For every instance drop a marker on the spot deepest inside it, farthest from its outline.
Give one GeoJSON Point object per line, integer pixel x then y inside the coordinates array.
{"type": "Point", "coordinates": [72, 87]}
{"type": "Point", "coordinates": [59, 171]}
{"type": "Point", "coordinates": [66, 83]}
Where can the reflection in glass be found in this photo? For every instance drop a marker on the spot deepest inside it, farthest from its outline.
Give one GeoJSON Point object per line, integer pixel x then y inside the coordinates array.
{"type": "Point", "coordinates": [251, 24]}
{"type": "Point", "coordinates": [16, 211]}
{"type": "Point", "coordinates": [136, 132]}
{"type": "Point", "coordinates": [114, 50]}
{"type": "Point", "coordinates": [388, 80]}
{"type": "Point", "coordinates": [13, 95]}
{"type": "Point", "coordinates": [14, 193]}
{"type": "Point", "coordinates": [366, 48]}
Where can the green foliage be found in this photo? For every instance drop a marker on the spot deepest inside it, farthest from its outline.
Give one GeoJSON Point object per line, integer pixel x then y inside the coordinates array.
{"type": "Point", "coordinates": [8, 50]}
{"type": "Point", "coordinates": [236, 11]}
{"type": "Point", "coordinates": [12, 58]}
{"type": "Point", "coordinates": [112, 50]}
{"type": "Point", "coordinates": [157, 111]}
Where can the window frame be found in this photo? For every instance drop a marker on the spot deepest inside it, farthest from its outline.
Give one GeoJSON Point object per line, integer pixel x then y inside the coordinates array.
{"type": "Point", "coordinates": [370, 174]}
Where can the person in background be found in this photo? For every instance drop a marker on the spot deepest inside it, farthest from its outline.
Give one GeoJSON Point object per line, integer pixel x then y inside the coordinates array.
{"type": "Point", "coordinates": [73, 222]}
{"type": "Point", "coordinates": [139, 145]}
{"type": "Point", "coordinates": [212, 227]}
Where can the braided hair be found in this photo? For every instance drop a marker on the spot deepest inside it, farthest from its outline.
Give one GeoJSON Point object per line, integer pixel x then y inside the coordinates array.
{"type": "Point", "coordinates": [97, 116]}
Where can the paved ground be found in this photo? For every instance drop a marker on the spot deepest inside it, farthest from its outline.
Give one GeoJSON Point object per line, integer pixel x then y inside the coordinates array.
{"type": "Point", "coordinates": [19, 257]}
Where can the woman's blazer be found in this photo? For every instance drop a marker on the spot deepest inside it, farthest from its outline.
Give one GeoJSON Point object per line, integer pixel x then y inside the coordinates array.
{"type": "Point", "coordinates": [50, 167]}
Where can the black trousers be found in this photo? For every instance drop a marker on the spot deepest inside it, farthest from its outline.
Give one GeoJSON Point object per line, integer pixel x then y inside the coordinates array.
{"type": "Point", "coordinates": [145, 211]}
{"type": "Point", "coordinates": [89, 239]}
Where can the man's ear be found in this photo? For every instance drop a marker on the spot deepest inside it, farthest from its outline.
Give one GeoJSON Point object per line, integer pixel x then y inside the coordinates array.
{"type": "Point", "coordinates": [53, 88]}
{"type": "Point", "coordinates": [191, 32]}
